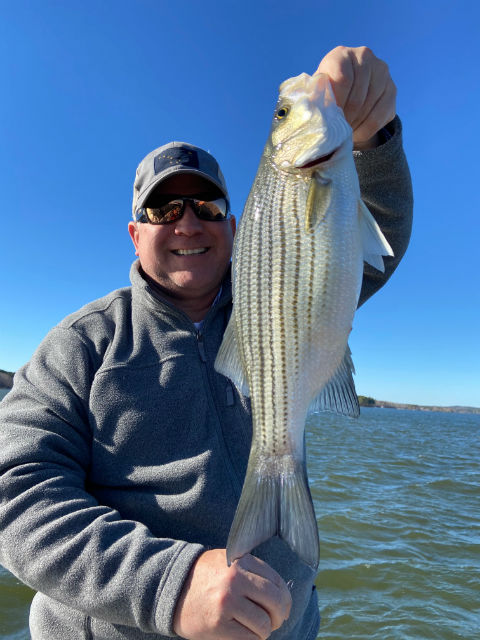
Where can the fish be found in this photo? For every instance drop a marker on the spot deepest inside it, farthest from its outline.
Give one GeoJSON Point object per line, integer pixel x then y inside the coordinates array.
{"type": "Point", "coordinates": [297, 267]}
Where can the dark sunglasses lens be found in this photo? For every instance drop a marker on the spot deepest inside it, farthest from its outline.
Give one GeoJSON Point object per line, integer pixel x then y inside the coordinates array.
{"type": "Point", "coordinates": [213, 211]}
{"type": "Point", "coordinates": [167, 213]}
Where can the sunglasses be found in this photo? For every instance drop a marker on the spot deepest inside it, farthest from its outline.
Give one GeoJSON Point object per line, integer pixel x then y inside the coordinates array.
{"type": "Point", "coordinates": [210, 210]}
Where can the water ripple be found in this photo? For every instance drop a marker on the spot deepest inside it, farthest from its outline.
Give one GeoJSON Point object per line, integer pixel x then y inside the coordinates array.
{"type": "Point", "coordinates": [396, 496]}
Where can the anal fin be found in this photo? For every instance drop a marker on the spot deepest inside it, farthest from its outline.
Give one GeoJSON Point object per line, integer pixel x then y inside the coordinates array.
{"type": "Point", "coordinates": [339, 395]}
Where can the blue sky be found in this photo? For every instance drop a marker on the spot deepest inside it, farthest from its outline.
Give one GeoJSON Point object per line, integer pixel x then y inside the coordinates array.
{"type": "Point", "coordinates": [90, 87]}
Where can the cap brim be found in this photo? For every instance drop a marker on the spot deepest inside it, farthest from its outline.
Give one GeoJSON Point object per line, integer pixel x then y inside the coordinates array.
{"type": "Point", "coordinates": [172, 171]}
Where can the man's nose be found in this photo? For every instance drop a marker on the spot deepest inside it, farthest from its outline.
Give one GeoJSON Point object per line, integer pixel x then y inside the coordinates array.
{"type": "Point", "coordinates": [188, 224]}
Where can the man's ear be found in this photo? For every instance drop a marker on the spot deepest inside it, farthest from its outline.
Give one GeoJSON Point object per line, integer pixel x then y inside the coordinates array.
{"type": "Point", "coordinates": [133, 231]}
{"type": "Point", "coordinates": [233, 224]}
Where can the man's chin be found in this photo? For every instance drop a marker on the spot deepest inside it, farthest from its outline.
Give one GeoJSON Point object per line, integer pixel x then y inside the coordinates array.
{"type": "Point", "coordinates": [189, 286]}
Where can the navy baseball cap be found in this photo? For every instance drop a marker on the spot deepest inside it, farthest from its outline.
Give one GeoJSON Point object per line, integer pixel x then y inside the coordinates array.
{"type": "Point", "coordinates": [174, 157]}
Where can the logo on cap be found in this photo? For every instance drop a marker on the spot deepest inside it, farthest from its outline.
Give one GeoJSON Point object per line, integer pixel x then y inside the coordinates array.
{"type": "Point", "coordinates": [174, 157]}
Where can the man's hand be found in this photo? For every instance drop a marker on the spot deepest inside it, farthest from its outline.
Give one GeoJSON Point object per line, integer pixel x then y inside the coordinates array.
{"type": "Point", "coordinates": [245, 601]}
{"type": "Point", "coordinates": [363, 89]}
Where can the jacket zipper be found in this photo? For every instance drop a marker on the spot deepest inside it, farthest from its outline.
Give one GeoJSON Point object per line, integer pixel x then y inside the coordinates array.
{"type": "Point", "coordinates": [230, 396]}
{"type": "Point", "coordinates": [201, 346]}
{"type": "Point", "coordinates": [230, 401]}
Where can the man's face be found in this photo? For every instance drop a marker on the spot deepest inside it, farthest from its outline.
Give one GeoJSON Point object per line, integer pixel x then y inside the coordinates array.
{"type": "Point", "coordinates": [160, 247]}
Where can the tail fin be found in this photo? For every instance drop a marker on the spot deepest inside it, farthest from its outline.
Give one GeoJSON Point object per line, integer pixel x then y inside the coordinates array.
{"type": "Point", "coordinates": [277, 503]}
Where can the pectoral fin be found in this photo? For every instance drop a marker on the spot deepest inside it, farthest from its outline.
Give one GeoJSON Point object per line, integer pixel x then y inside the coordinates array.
{"type": "Point", "coordinates": [375, 244]}
{"type": "Point", "coordinates": [228, 361]}
{"type": "Point", "coordinates": [318, 200]}
{"type": "Point", "coordinates": [339, 395]}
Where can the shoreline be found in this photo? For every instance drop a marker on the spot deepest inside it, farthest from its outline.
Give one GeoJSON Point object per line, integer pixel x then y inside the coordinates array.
{"type": "Point", "coordinates": [371, 403]}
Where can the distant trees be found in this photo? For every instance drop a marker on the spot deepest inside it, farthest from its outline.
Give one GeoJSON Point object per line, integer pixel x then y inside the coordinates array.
{"type": "Point", "coordinates": [366, 401]}
{"type": "Point", "coordinates": [6, 379]}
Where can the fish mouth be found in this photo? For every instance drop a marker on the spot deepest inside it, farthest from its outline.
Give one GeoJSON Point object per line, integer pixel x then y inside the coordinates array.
{"type": "Point", "coordinates": [319, 160]}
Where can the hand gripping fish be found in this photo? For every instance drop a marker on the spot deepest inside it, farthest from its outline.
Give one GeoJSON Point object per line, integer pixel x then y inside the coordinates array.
{"type": "Point", "coordinates": [297, 273]}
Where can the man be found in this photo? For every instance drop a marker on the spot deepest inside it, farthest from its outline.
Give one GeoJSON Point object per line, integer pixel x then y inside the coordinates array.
{"type": "Point", "coordinates": [123, 452]}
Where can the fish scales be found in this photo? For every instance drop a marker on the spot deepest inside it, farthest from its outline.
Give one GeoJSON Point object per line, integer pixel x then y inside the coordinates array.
{"type": "Point", "coordinates": [297, 267]}
{"type": "Point", "coordinates": [275, 276]}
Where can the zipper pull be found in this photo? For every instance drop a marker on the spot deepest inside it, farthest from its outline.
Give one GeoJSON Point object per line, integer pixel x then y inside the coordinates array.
{"type": "Point", "coordinates": [201, 347]}
{"type": "Point", "coordinates": [230, 395]}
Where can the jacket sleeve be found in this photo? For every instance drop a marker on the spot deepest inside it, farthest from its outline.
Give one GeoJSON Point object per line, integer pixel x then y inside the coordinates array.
{"type": "Point", "coordinates": [54, 535]}
{"type": "Point", "coordinates": [386, 189]}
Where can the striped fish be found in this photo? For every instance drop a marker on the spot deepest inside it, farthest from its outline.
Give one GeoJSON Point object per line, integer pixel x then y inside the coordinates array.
{"type": "Point", "coordinates": [297, 272]}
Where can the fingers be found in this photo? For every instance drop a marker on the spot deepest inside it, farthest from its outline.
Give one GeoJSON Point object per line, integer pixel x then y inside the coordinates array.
{"type": "Point", "coordinates": [377, 116]}
{"type": "Point", "coordinates": [363, 88]}
{"type": "Point", "coordinates": [255, 619]}
{"type": "Point", "coordinates": [272, 592]}
{"type": "Point", "coordinates": [261, 568]}
{"type": "Point", "coordinates": [337, 65]}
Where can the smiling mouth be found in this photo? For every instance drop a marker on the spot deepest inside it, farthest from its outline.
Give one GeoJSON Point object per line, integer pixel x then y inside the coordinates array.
{"type": "Point", "coordinates": [318, 160]}
{"type": "Point", "coordinates": [190, 252]}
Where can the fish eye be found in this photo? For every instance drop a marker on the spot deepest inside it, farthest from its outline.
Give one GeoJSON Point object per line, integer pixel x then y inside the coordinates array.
{"type": "Point", "coordinates": [281, 113]}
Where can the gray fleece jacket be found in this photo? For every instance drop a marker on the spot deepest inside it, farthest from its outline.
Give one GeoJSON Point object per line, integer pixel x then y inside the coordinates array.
{"type": "Point", "coordinates": [123, 452]}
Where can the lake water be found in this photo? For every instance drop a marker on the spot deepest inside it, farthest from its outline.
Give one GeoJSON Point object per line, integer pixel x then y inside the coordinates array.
{"type": "Point", "coordinates": [397, 500]}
